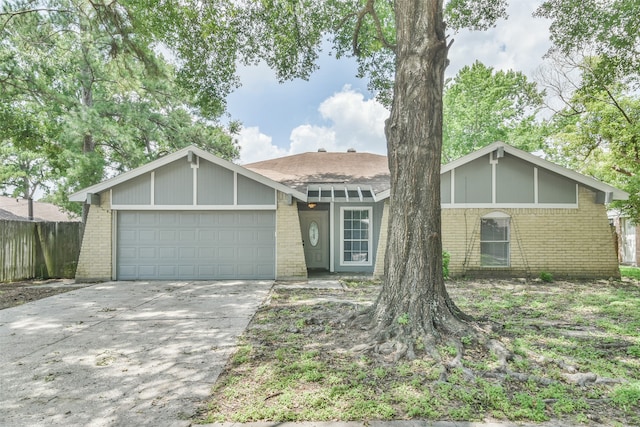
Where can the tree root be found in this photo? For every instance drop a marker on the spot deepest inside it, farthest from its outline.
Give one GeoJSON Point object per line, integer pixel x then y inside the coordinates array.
{"type": "Point", "coordinates": [394, 344]}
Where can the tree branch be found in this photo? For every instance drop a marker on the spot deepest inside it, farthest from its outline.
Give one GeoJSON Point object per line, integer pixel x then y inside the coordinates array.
{"type": "Point", "coordinates": [12, 14]}
{"type": "Point", "coordinates": [618, 107]}
{"type": "Point", "coordinates": [369, 9]}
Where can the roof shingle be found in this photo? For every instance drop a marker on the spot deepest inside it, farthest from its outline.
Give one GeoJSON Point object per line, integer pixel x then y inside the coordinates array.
{"type": "Point", "coordinates": [300, 170]}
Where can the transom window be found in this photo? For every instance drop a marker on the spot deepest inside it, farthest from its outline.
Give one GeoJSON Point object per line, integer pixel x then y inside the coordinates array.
{"type": "Point", "coordinates": [355, 242]}
{"type": "Point", "coordinates": [494, 240]}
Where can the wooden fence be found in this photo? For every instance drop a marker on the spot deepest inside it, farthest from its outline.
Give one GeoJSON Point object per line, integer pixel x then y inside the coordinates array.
{"type": "Point", "coordinates": [38, 249]}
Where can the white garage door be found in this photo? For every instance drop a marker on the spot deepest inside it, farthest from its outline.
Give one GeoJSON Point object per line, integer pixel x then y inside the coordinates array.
{"type": "Point", "coordinates": [168, 245]}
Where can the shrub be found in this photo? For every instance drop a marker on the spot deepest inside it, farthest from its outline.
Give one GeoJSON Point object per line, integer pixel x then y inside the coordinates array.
{"type": "Point", "coordinates": [546, 277]}
{"type": "Point", "coordinates": [446, 257]}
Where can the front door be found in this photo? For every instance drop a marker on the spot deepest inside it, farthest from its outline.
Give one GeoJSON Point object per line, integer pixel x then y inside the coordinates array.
{"type": "Point", "coordinates": [315, 238]}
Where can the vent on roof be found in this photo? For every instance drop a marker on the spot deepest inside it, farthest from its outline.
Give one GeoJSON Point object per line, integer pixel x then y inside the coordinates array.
{"type": "Point", "coordinates": [351, 150]}
{"type": "Point", "coordinates": [322, 150]}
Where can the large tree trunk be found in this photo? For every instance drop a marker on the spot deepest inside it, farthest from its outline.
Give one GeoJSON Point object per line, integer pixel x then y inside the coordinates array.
{"type": "Point", "coordinates": [414, 303]}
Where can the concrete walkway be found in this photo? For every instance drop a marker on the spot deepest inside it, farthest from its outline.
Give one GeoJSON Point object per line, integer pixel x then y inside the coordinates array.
{"type": "Point", "coordinates": [120, 353]}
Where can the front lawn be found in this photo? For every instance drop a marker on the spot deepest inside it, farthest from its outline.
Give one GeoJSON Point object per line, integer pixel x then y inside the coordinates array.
{"type": "Point", "coordinates": [575, 345]}
{"type": "Point", "coordinates": [631, 272]}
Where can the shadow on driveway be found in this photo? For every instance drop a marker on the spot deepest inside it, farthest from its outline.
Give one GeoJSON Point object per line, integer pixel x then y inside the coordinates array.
{"type": "Point", "coordinates": [120, 353]}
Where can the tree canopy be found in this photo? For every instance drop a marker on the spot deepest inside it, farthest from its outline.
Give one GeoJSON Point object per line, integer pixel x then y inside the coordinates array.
{"type": "Point", "coordinates": [596, 130]}
{"type": "Point", "coordinates": [483, 105]}
{"type": "Point", "coordinates": [596, 76]}
{"type": "Point", "coordinates": [85, 95]}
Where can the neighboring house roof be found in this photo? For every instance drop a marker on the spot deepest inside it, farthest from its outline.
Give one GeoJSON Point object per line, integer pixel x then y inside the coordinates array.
{"type": "Point", "coordinates": [81, 196]}
{"type": "Point", "coordinates": [11, 217]}
{"type": "Point", "coordinates": [612, 192]}
{"type": "Point", "coordinates": [326, 170]}
{"type": "Point", "coordinates": [18, 210]}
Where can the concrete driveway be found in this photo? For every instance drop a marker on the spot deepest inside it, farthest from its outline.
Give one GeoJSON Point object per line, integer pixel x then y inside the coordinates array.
{"type": "Point", "coordinates": [120, 353]}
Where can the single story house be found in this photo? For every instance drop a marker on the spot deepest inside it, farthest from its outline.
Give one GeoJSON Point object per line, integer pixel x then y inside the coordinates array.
{"type": "Point", "coordinates": [191, 215]}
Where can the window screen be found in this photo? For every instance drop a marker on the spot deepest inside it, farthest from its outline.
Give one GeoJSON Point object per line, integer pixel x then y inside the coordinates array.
{"type": "Point", "coordinates": [356, 236]}
{"type": "Point", "coordinates": [494, 242]}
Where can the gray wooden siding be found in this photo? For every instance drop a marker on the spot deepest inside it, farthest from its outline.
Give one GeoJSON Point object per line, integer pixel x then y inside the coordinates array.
{"type": "Point", "coordinates": [473, 182]}
{"type": "Point", "coordinates": [554, 188]}
{"type": "Point", "coordinates": [514, 181]}
{"type": "Point", "coordinates": [134, 192]}
{"type": "Point", "coordinates": [445, 187]}
{"type": "Point", "coordinates": [251, 192]}
{"type": "Point", "coordinates": [215, 184]}
{"type": "Point", "coordinates": [174, 184]}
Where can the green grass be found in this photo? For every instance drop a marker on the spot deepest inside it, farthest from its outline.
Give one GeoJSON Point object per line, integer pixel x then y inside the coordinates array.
{"type": "Point", "coordinates": [294, 363]}
{"type": "Point", "coordinates": [631, 272]}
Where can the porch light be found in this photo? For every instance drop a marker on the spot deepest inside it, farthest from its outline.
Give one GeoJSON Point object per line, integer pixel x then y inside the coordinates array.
{"type": "Point", "coordinates": [311, 205]}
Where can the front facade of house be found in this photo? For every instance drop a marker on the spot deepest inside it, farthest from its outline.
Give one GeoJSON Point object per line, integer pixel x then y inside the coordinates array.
{"type": "Point", "coordinates": [191, 216]}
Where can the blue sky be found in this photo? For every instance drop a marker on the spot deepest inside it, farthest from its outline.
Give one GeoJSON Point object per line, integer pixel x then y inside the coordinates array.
{"type": "Point", "coordinates": [334, 110]}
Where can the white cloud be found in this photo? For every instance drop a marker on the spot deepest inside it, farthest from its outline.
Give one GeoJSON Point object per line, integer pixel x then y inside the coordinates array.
{"type": "Point", "coordinates": [256, 146]}
{"type": "Point", "coordinates": [517, 43]}
{"type": "Point", "coordinates": [310, 138]}
{"type": "Point", "coordinates": [353, 122]}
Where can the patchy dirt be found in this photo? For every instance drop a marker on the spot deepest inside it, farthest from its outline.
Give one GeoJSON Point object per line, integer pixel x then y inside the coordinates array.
{"type": "Point", "coordinates": [575, 358]}
{"type": "Point", "coordinates": [18, 293]}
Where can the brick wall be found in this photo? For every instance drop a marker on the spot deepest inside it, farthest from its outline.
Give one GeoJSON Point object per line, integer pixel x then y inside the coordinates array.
{"type": "Point", "coordinates": [290, 263]}
{"type": "Point", "coordinates": [378, 271]}
{"type": "Point", "coordinates": [94, 263]}
{"type": "Point", "coordinates": [576, 243]}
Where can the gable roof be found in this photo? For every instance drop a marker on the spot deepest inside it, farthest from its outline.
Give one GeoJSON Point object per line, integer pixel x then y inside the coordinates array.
{"type": "Point", "coordinates": [341, 169]}
{"type": "Point", "coordinates": [615, 193]}
{"type": "Point", "coordinates": [81, 195]}
{"type": "Point", "coordinates": [298, 173]}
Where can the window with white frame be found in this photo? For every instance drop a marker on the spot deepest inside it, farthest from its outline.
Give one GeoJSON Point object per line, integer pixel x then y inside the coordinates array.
{"type": "Point", "coordinates": [355, 232]}
{"type": "Point", "coordinates": [494, 240]}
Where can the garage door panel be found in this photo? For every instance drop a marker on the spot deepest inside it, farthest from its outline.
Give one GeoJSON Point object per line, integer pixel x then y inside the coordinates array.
{"type": "Point", "coordinates": [167, 252]}
{"type": "Point", "coordinates": [188, 219]}
{"type": "Point", "coordinates": [129, 234]}
{"type": "Point", "coordinates": [129, 270]}
{"type": "Point", "coordinates": [205, 254]}
{"type": "Point", "coordinates": [148, 270]}
{"type": "Point", "coordinates": [167, 272]}
{"type": "Point", "coordinates": [227, 236]}
{"type": "Point", "coordinates": [226, 219]}
{"type": "Point", "coordinates": [262, 269]}
{"type": "Point", "coordinates": [127, 252]}
{"type": "Point", "coordinates": [264, 254]}
{"type": "Point", "coordinates": [246, 236]}
{"type": "Point", "coordinates": [264, 235]}
{"type": "Point", "coordinates": [206, 271]}
{"type": "Point", "coordinates": [167, 218]}
{"type": "Point", "coordinates": [228, 271]}
{"type": "Point", "coordinates": [166, 235]}
{"type": "Point", "coordinates": [206, 235]}
{"type": "Point", "coordinates": [187, 271]}
{"type": "Point", "coordinates": [147, 253]}
{"type": "Point", "coordinates": [227, 253]}
{"type": "Point", "coordinates": [148, 236]}
{"type": "Point", "coordinates": [207, 220]}
{"type": "Point", "coordinates": [187, 254]}
{"type": "Point", "coordinates": [196, 245]}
